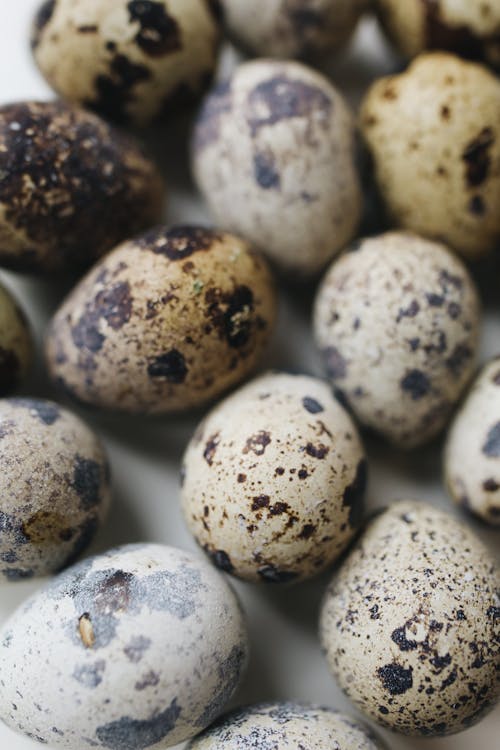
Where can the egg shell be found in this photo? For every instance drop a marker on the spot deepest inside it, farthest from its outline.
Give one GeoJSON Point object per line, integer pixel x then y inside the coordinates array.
{"type": "Point", "coordinates": [131, 61]}
{"type": "Point", "coordinates": [138, 648]}
{"type": "Point", "coordinates": [287, 726]}
{"type": "Point", "coordinates": [273, 155]}
{"type": "Point", "coordinates": [165, 322]}
{"type": "Point", "coordinates": [410, 624]}
{"type": "Point", "coordinates": [16, 343]}
{"type": "Point", "coordinates": [397, 321]}
{"type": "Point", "coordinates": [472, 452]}
{"type": "Point", "coordinates": [54, 487]}
{"type": "Point", "coordinates": [274, 480]}
{"type": "Point", "coordinates": [71, 187]}
{"type": "Point", "coordinates": [434, 135]}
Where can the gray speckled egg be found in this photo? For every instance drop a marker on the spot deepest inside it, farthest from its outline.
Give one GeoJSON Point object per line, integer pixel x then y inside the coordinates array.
{"type": "Point", "coordinates": [54, 487]}
{"type": "Point", "coordinates": [273, 155]}
{"type": "Point", "coordinates": [287, 726]}
{"type": "Point", "coordinates": [71, 187]}
{"type": "Point", "coordinates": [411, 623]}
{"type": "Point", "coordinates": [397, 321]}
{"type": "Point", "coordinates": [138, 648]}
{"type": "Point", "coordinates": [434, 136]}
{"type": "Point", "coordinates": [131, 60]}
{"type": "Point", "coordinates": [472, 452]}
{"type": "Point", "coordinates": [16, 344]}
{"type": "Point", "coordinates": [274, 480]}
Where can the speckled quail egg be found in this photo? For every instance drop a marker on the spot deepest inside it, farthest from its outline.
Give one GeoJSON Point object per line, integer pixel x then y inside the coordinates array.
{"type": "Point", "coordinates": [274, 480]}
{"type": "Point", "coordinates": [54, 487]}
{"type": "Point", "coordinates": [472, 453]}
{"type": "Point", "coordinates": [71, 187]}
{"type": "Point", "coordinates": [291, 28]}
{"type": "Point", "coordinates": [16, 344]}
{"type": "Point", "coordinates": [286, 726]}
{"type": "Point", "coordinates": [470, 28]}
{"type": "Point", "coordinates": [138, 648]}
{"type": "Point", "coordinates": [130, 60]}
{"type": "Point", "coordinates": [411, 623]}
{"type": "Point", "coordinates": [397, 321]}
{"type": "Point", "coordinates": [165, 322]}
{"type": "Point", "coordinates": [273, 155]}
{"type": "Point", "coordinates": [434, 136]}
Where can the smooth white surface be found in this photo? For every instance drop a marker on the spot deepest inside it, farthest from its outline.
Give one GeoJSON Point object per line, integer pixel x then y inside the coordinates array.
{"type": "Point", "coordinates": [145, 454]}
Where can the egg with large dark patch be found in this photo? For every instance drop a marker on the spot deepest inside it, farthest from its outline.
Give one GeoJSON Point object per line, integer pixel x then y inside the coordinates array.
{"type": "Point", "coordinates": [16, 343]}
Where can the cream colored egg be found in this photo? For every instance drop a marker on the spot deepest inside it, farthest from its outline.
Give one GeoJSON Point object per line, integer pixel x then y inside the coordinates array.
{"type": "Point", "coordinates": [16, 344]}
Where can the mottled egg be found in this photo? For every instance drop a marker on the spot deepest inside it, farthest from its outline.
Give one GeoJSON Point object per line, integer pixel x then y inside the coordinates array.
{"type": "Point", "coordinates": [397, 321]}
{"type": "Point", "coordinates": [470, 28]}
{"type": "Point", "coordinates": [291, 28]}
{"type": "Point", "coordinates": [54, 487]}
{"type": "Point", "coordinates": [138, 648]}
{"type": "Point", "coordinates": [165, 322]}
{"type": "Point", "coordinates": [71, 187]}
{"type": "Point", "coordinates": [472, 453]}
{"type": "Point", "coordinates": [130, 60]}
{"type": "Point", "coordinates": [273, 155]}
{"type": "Point", "coordinates": [434, 135]}
{"type": "Point", "coordinates": [287, 726]}
{"type": "Point", "coordinates": [16, 344]}
{"type": "Point", "coordinates": [411, 623]}
{"type": "Point", "coordinates": [274, 480]}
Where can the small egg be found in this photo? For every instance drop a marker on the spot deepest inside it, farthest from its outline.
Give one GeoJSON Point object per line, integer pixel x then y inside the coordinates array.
{"type": "Point", "coordinates": [434, 135]}
{"type": "Point", "coordinates": [397, 321]}
{"type": "Point", "coordinates": [133, 61]}
{"type": "Point", "coordinates": [411, 623]}
{"type": "Point", "coordinates": [137, 648]}
{"type": "Point", "coordinates": [286, 726]}
{"type": "Point", "coordinates": [16, 343]}
{"type": "Point", "coordinates": [273, 155]}
{"type": "Point", "coordinates": [54, 487]}
{"type": "Point", "coordinates": [166, 322]}
{"type": "Point", "coordinates": [472, 452]}
{"type": "Point", "coordinates": [274, 480]}
{"type": "Point", "coordinates": [71, 187]}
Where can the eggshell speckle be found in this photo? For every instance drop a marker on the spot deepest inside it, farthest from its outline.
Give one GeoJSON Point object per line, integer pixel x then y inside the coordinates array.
{"type": "Point", "coordinates": [16, 344]}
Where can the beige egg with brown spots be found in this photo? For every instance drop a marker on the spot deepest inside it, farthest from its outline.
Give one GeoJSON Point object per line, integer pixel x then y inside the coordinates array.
{"type": "Point", "coordinates": [397, 321]}
{"type": "Point", "coordinates": [410, 624]}
{"type": "Point", "coordinates": [273, 155]}
{"type": "Point", "coordinates": [165, 322]}
{"type": "Point", "coordinates": [434, 136]}
{"type": "Point", "coordinates": [16, 344]}
{"type": "Point", "coordinates": [274, 480]}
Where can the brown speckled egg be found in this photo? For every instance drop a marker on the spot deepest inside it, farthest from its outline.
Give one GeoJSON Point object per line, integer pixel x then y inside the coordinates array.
{"type": "Point", "coordinates": [434, 136]}
{"type": "Point", "coordinates": [166, 322]}
{"type": "Point", "coordinates": [274, 480]}
{"type": "Point", "coordinates": [54, 487]}
{"type": "Point", "coordinates": [131, 60]}
{"type": "Point", "coordinates": [71, 187]}
{"type": "Point", "coordinates": [411, 623]}
{"type": "Point", "coordinates": [291, 28]}
{"type": "Point", "coordinates": [273, 155]}
{"type": "Point", "coordinates": [16, 344]}
{"type": "Point", "coordinates": [470, 28]}
{"type": "Point", "coordinates": [472, 453]}
{"type": "Point", "coordinates": [397, 321]}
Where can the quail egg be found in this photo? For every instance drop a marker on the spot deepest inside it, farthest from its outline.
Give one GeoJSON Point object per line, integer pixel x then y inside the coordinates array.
{"type": "Point", "coordinates": [16, 344]}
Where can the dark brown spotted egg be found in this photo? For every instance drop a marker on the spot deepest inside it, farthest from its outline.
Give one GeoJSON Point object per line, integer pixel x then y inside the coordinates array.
{"type": "Point", "coordinates": [274, 480]}
{"type": "Point", "coordinates": [411, 623]}
{"type": "Point", "coordinates": [397, 321]}
{"type": "Point", "coordinates": [71, 187]}
{"type": "Point", "coordinates": [472, 453]}
{"type": "Point", "coordinates": [16, 344]}
{"type": "Point", "coordinates": [273, 155]}
{"type": "Point", "coordinates": [434, 136]}
{"type": "Point", "coordinates": [132, 61]}
{"type": "Point", "coordinates": [140, 647]}
{"type": "Point", "coordinates": [166, 322]}
{"type": "Point", "coordinates": [54, 487]}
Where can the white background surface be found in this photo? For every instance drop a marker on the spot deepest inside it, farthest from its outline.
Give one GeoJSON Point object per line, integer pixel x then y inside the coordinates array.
{"type": "Point", "coordinates": [145, 454]}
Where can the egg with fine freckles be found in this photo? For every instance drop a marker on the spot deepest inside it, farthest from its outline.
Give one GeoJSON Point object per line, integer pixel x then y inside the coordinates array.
{"type": "Point", "coordinates": [410, 624]}
{"type": "Point", "coordinates": [16, 343]}
{"type": "Point", "coordinates": [274, 480]}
